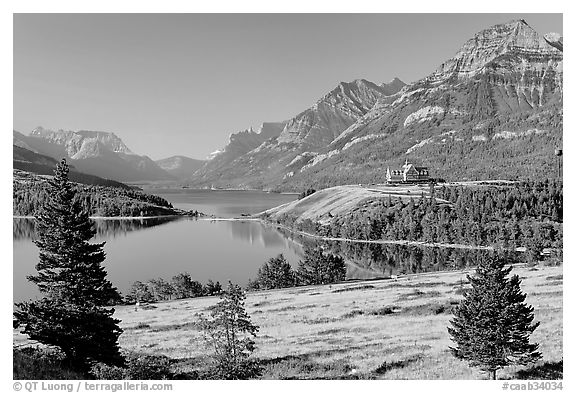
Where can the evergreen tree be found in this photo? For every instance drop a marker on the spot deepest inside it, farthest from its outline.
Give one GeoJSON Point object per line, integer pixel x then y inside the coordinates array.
{"type": "Point", "coordinates": [213, 288]}
{"type": "Point", "coordinates": [492, 324]}
{"type": "Point", "coordinates": [276, 273]}
{"type": "Point", "coordinates": [71, 315]}
{"type": "Point", "coordinates": [139, 292]}
{"type": "Point", "coordinates": [318, 268]}
{"type": "Point", "coordinates": [230, 332]}
{"type": "Point", "coordinates": [182, 285]}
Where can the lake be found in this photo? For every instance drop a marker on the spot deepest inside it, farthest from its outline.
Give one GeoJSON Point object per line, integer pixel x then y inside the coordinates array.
{"type": "Point", "coordinates": [143, 249]}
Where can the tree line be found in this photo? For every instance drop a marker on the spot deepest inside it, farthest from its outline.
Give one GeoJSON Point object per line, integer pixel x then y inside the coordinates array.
{"type": "Point", "coordinates": [182, 286]}
{"type": "Point", "coordinates": [316, 268]}
{"type": "Point", "coordinates": [30, 196]}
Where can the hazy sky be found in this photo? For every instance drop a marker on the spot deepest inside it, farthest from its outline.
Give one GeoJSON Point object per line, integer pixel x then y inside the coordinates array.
{"type": "Point", "coordinates": [171, 84]}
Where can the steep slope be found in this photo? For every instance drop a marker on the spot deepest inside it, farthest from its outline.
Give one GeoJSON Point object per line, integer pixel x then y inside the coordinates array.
{"type": "Point", "coordinates": [25, 155]}
{"type": "Point", "coordinates": [494, 110]}
{"type": "Point", "coordinates": [257, 163]}
{"type": "Point", "coordinates": [32, 162]}
{"type": "Point", "coordinates": [180, 166]}
{"type": "Point", "coordinates": [94, 152]}
{"type": "Point", "coordinates": [239, 144]}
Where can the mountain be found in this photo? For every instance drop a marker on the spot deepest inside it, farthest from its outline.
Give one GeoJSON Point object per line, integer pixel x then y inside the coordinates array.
{"type": "Point", "coordinates": [255, 159]}
{"type": "Point", "coordinates": [98, 153]}
{"type": "Point", "coordinates": [30, 161]}
{"type": "Point", "coordinates": [493, 110]}
{"type": "Point", "coordinates": [180, 166]}
{"type": "Point", "coordinates": [239, 144]}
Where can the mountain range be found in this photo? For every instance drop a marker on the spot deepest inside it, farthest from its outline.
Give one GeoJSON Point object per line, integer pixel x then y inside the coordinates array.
{"type": "Point", "coordinates": [493, 110]}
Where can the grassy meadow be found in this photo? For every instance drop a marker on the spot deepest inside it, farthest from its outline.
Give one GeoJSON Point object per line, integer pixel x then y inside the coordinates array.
{"type": "Point", "coordinates": [385, 329]}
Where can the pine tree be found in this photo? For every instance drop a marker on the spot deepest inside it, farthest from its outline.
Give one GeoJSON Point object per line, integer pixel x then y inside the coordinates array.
{"type": "Point", "coordinates": [230, 332]}
{"type": "Point", "coordinates": [492, 324]}
{"type": "Point", "coordinates": [71, 315]}
{"type": "Point", "coordinates": [318, 268]}
{"type": "Point", "coordinates": [276, 273]}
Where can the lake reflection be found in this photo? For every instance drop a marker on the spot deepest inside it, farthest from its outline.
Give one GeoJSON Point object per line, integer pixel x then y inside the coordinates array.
{"type": "Point", "coordinates": [146, 249]}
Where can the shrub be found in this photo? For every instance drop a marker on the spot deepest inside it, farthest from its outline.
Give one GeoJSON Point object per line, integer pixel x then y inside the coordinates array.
{"type": "Point", "coordinates": [138, 367]}
{"type": "Point", "coordinates": [41, 364]}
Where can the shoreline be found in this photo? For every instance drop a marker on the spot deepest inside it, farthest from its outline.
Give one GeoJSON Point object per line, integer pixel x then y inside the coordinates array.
{"type": "Point", "coordinates": [113, 217]}
{"type": "Point", "coordinates": [310, 235]}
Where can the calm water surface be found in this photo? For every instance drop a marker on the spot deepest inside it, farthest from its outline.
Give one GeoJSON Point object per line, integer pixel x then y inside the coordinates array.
{"type": "Point", "coordinates": [146, 249]}
{"type": "Point", "coordinates": [222, 203]}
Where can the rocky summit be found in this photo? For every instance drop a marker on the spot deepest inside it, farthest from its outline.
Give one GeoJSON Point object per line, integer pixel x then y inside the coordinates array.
{"type": "Point", "coordinates": [97, 153]}
{"type": "Point", "coordinates": [493, 110]}
{"type": "Point", "coordinates": [265, 155]}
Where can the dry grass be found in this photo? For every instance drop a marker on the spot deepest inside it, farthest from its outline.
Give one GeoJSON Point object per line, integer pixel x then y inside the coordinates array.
{"type": "Point", "coordinates": [381, 329]}
{"type": "Point", "coordinates": [339, 200]}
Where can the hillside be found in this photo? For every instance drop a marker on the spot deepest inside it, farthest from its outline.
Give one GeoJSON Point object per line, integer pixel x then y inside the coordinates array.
{"type": "Point", "coordinates": [493, 110]}
{"type": "Point", "coordinates": [180, 167]}
{"type": "Point", "coordinates": [30, 192]}
{"type": "Point", "coordinates": [221, 162]}
{"type": "Point", "coordinates": [325, 205]}
{"type": "Point", "coordinates": [263, 162]}
{"type": "Point", "coordinates": [29, 161]}
{"type": "Point", "coordinates": [384, 329]}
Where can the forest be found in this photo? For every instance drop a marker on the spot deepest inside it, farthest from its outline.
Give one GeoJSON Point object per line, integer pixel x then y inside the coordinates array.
{"type": "Point", "coordinates": [31, 193]}
{"type": "Point", "coordinates": [509, 215]}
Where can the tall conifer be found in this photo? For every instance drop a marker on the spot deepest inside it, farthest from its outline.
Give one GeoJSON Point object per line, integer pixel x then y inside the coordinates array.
{"type": "Point", "coordinates": [492, 324]}
{"type": "Point", "coordinates": [71, 315]}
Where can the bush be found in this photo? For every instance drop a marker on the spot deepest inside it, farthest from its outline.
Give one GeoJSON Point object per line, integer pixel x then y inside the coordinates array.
{"type": "Point", "coordinates": [41, 364]}
{"type": "Point", "coordinates": [138, 367]}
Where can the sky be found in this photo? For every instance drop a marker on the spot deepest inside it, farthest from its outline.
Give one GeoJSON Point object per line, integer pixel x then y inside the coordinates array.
{"type": "Point", "coordinates": [180, 84]}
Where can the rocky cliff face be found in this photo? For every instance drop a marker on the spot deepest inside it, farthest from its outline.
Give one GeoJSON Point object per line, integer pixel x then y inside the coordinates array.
{"type": "Point", "coordinates": [95, 152]}
{"type": "Point", "coordinates": [264, 155]}
{"type": "Point", "coordinates": [220, 162]}
{"type": "Point", "coordinates": [514, 39]}
{"type": "Point", "coordinates": [82, 144]}
{"type": "Point", "coordinates": [319, 125]}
